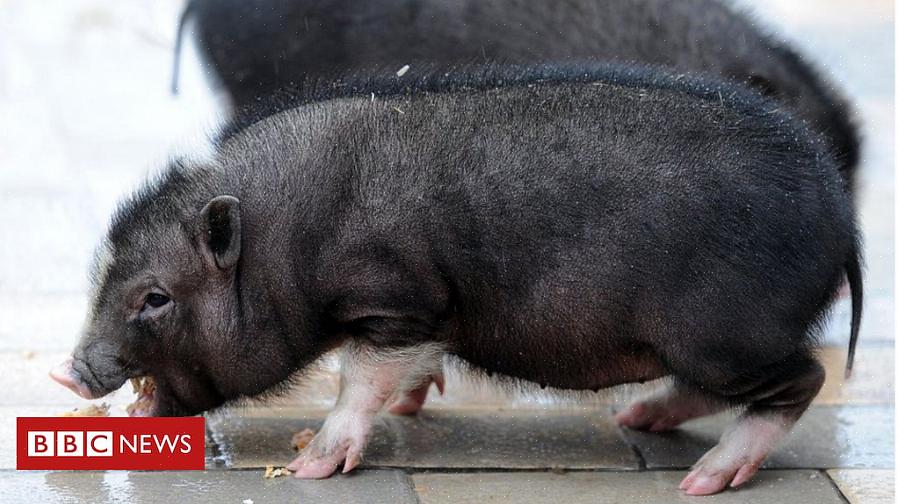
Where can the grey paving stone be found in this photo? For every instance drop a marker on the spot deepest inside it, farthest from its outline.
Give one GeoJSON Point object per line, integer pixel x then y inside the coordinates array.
{"type": "Point", "coordinates": [444, 439]}
{"type": "Point", "coordinates": [216, 487]}
{"type": "Point", "coordinates": [826, 437]}
{"type": "Point", "coordinates": [865, 486]}
{"type": "Point", "coordinates": [651, 487]}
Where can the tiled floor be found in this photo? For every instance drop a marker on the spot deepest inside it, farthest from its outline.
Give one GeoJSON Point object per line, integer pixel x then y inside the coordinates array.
{"type": "Point", "coordinates": [85, 111]}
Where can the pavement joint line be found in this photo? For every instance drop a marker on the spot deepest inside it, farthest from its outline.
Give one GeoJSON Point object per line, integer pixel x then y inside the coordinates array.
{"type": "Point", "coordinates": [218, 457]}
{"type": "Point", "coordinates": [477, 469]}
{"type": "Point", "coordinates": [835, 486]}
{"type": "Point", "coordinates": [640, 459]}
{"type": "Point", "coordinates": [410, 484]}
{"type": "Point", "coordinates": [511, 470]}
{"type": "Point", "coordinates": [469, 470]}
{"type": "Point", "coordinates": [409, 471]}
{"type": "Point", "coordinates": [557, 470]}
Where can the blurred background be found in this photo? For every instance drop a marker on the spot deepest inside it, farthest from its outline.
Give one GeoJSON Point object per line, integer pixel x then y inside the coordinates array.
{"type": "Point", "coordinates": [86, 112]}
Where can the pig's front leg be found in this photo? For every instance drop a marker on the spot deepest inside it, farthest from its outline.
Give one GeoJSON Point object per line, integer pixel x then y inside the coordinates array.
{"type": "Point", "coordinates": [368, 378]}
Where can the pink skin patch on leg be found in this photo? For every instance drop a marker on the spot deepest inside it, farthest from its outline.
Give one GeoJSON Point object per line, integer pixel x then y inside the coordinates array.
{"type": "Point", "coordinates": [409, 403]}
{"type": "Point", "coordinates": [665, 410]}
{"type": "Point", "coordinates": [368, 379]}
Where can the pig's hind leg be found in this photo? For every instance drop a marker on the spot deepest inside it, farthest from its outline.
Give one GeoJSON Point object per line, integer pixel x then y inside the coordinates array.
{"type": "Point", "coordinates": [411, 401]}
{"type": "Point", "coordinates": [369, 377]}
{"type": "Point", "coordinates": [776, 396]}
{"type": "Point", "coordinates": [667, 408]}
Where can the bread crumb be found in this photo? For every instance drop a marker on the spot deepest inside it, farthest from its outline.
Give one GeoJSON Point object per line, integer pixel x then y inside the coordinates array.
{"type": "Point", "coordinates": [143, 385]}
{"type": "Point", "coordinates": [302, 439]}
{"type": "Point", "coordinates": [28, 354]}
{"type": "Point", "coordinates": [271, 472]}
{"type": "Point", "coordinates": [90, 411]}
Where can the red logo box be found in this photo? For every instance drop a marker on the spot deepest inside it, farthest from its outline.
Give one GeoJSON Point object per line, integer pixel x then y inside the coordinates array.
{"type": "Point", "coordinates": [92, 443]}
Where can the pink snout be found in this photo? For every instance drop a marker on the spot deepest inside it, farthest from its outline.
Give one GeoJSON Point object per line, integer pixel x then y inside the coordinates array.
{"type": "Point", "coordinates": [65, 374]}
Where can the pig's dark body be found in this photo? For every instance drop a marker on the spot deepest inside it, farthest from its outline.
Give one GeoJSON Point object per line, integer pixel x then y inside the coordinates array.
{"type": "Point", "coordinates": [577, 235]}
{"type": "Point", "coordinates": [259, 48]}
{"type": "Point", "coordinates": [574, 227]}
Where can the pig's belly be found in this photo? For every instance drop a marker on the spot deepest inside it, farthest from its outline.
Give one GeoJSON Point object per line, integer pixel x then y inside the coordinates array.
{"type": "Point", "coordinates": [578, 363]}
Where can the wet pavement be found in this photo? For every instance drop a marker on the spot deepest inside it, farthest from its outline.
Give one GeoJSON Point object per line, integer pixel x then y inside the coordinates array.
{"type": "Point", "coordinates": [85, 112]}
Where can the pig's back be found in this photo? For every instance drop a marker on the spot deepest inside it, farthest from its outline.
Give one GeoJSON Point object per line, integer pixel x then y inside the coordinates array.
{"type": "Point", "coordinates": [588, 164]}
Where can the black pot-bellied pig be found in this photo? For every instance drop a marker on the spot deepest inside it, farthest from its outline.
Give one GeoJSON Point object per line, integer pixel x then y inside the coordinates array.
{"type": "Point", "coordinates": [257, 48]}
{"type": "Point", "coordinates": [576, 228]}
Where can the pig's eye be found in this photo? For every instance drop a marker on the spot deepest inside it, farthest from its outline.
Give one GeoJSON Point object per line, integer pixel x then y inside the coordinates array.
{"type": "Point", "coordinates": [154, 300]}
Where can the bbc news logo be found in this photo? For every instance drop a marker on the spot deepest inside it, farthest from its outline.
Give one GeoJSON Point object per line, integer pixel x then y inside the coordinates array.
{"type": "Point", "coordinates": [100, 443]}
{"type": "Point", "coordinates": [110, 443]}
{"type": "Point", "coordinates": [70, 443]}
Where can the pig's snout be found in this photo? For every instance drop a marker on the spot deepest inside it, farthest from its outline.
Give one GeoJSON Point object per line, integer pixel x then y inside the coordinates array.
{"type": "Point", "coordinates": [65, 374]}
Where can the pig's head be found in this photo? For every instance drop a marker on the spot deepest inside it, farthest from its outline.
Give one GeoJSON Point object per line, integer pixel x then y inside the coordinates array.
{"type": "Point", "coordinates": [165, 304]}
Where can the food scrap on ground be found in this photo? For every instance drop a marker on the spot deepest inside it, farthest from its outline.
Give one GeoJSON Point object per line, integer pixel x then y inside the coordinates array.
{"type": "Point", "coordinates": [145, 389]}
{"type": "Point", "coordinates": [302, 439]}
{"type": "Point", "coordinates": [90, 411]}
{"type": "Point", "coordinates": [271, 472]}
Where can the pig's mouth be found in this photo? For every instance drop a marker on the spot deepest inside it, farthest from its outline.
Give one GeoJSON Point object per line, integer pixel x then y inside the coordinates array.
{"type": "Point", "coordinates": [156, 398]}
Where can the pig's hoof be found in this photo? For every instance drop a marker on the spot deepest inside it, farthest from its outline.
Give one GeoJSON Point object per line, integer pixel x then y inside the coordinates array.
{"type": "Point", "coordinates": [324, 465]}
{"type": "Point", "coordinates": [651, 415]}
{"type": "Point", "coordinates": [411, 402]}
{"type": "Point", "coordinates": [718, 469]}
{"type": "Point", "coordinates": [706, 481]}
{"type": "Point", "coordinates": [321, 458]}
{"type": "Point", "coordinates": [313, 469]}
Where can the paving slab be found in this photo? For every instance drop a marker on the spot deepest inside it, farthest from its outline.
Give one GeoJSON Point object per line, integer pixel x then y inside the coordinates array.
{"type": "Point", "coordinates": [647, 487]}
{"type": "Point", "coordinates": [865, 486]}
{"type": "Point", "coordinates": [872, 379]}
{"type": "Point", "coordinates": [825, 437]}
{"type": "Point", "coordinates": [443, 439]}
{"type": "Point", "coordinates": [214, 487]}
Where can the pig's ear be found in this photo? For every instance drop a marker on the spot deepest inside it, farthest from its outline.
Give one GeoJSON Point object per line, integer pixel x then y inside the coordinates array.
{"type": "Point", "coordinates": [220, 239]}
